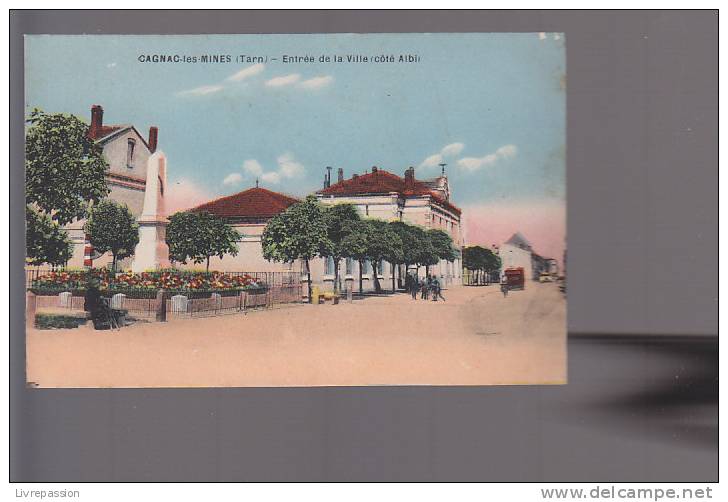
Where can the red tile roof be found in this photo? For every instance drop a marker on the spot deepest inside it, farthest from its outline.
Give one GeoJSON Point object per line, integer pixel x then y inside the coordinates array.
{"type": "Point", "coordinates": [103, 131]}
{"type": "Point", "coordinates": [384, 182]}
{"type": "Point", "coordinates": [254, 203]}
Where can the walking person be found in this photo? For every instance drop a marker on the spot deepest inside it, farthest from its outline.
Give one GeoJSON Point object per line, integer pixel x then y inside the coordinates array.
{"type": "Point", "coordinates": [504, 285]}
{"type": "Point", "coordinates": [438, 291]}
{"type": "Point", "coordinates": [425, 288]}
{"type": "Point", "coordinates": [435, 288]}
{"type": "Point", "coordinates": [414, 286]}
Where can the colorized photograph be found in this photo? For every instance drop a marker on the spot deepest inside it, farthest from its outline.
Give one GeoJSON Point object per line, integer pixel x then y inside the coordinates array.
{"type": "Point", "coordinates": [295, 210]}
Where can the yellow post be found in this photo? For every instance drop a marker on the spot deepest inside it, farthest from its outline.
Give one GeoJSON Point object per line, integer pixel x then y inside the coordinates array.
{"type": "Point", "coordinates": [315, 295]}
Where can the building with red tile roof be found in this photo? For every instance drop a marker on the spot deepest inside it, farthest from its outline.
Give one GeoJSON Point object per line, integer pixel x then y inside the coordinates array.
{"type": "Point", "coordinates": [254, 205]}
{"type": "Point", "coordinates": [248, 212]}
{"type": "Point", "coordinates": [384, 195]}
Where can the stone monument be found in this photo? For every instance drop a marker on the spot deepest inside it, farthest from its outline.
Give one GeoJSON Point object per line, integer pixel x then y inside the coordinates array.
{"type": "Point", "coordinates": [152, 252]}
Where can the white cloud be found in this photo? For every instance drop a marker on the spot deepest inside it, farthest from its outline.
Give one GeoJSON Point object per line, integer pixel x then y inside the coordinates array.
{"type": "Point", "coordinates": [452, 149]}
{"type": "Point", "coordinates": [253, 167]}
{"type": "Point", "coordinates": [271, 177]}
{"type": "Point", "coordinates": [288, 167]}
{"type": "Point", "coordinates": [246, 72]}
{"type": "Point", "coordinates": [201, 91]}
{"type": "Point", "coordinates": [432, 161]}
{"type": "Point", "coordinates": [439, 158]}
{"type": "Point", "coordinates": [475, 163]}
{"type": "Point", "coordinates": [111, 65]}
{"type": "Point", "coordinates": [232, 179]}
{"type": "Point", "coordinates": [542, 36]}
{"type": "Point", "coordinates": [284, 80]}
{"type": "Point", "coordinates": [507, 151]}
{"type": "Point", "coordinates": [317, 82]}
{"type": "Point", "coordinates": [557, 36]}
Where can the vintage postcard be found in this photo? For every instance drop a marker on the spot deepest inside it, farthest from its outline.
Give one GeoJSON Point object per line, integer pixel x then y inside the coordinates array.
{"type": "Point", "coordinates": [295, 210]}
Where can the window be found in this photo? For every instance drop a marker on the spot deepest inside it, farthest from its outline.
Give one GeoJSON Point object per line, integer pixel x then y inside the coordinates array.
{"type": "Point", "coordinates": [329, 266]}
{"type": "Point", "coordinates": [130, 153]}
{"type": "Point", "coordinates": [349, 266]}
{"type": "Point", "coordinates": [380, 268]}
{"type": "Point", "coordinates": [367, 268]}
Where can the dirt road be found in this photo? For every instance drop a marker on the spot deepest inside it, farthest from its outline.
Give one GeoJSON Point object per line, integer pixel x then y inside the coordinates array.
{"type": "Point", "coordinates": [476, 337]}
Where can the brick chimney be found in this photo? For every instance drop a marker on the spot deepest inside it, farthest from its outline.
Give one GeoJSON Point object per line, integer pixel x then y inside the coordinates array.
{"type": "Point", "coordinates": [409, 178]}
{"type": "Point", "coordinates": [153, 133]}
{"type": "Point", "coordinates": [354, 176]}
{"type": "Point", "coordinates": [97, 120]}
{"type": "Point", "coordinates": [341, 175]}
{"type": "Point", "coordinates": [327, 177]}
{"type": "Point", "coordinates": [374, 169]}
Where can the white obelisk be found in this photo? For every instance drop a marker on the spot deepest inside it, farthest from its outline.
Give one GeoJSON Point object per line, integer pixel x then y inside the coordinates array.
{"type": "Point", "coordinates": [152, 252]}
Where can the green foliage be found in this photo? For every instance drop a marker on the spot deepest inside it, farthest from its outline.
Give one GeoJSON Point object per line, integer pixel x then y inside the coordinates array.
{"type": "Point", "coordinates": [342, 221]}
{"type": "Point", "coordinates": [395, 250]}
{"type": "Point", "coordinates": [411, 241]}
{"type": "Point", "coordinates": [299, 232]}
{"type": "Point", "coordinates": [442, 244]}
{"type": "Point", "coordinates": [480, 258]}
{"type": "Point", "coordinates": [384, 244]}
{"type": "Point", "coordinates": [64, 168]}
{"type": "Point", "coordinates": [198, 235]}
{"type": "Point", "coordinates": [45, 241]}
{"type": "Point", "coordinates": [112, 228]}
{"type": "Point", "coordinates": [58, 321]}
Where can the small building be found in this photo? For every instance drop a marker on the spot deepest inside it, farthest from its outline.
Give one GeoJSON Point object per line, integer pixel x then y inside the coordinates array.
{"type": "Point", "coordinates": [248, 212]}
{"type": "Point", "coordinates": [127, 153]}
{"type": "Point", "coordinates": [517, 252]}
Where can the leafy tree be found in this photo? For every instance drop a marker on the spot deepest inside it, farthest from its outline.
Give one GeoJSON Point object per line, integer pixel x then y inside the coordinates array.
{"type": "Point", "coordinates": [384, 245]}
{"type": "Point", "coordinates": [341, 221]}
{"type": "Point", "coordinates": [111, 227]}
{"type": "Point", "coordinates": [411, 242]}
{"type": "Point", "coordinates": [357, 245]}
{"type": "Point", "coordinates": [45, 241]}
{"type": "Point", "coordinates": [480, 260]}
{"type": "Point", "coordinates": [199, 235]}
{"type": "Point", "coordinates": [64, 168]}
{"type": "Point", "coordinates": [426, 255]}
{"type": "Point", "coordinates": [299, 232]}
{"type": "Point", "coordinates": [396, 251]}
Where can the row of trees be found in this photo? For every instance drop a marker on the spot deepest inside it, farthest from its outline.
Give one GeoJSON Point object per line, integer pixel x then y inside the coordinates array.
{"type": "Point", "coordinates": [481, 261]}
{"type": "Point", "coordinates": [307, 230]}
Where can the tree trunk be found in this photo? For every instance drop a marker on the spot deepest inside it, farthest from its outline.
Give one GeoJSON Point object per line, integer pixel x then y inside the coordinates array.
{"type": "Point", "coordinates": [113, 263]}
{"type": "Point", "coordinates": [361, 275]}
{"type": "Point", "coordinates": [375, 274]}
{"type": "Point", "coordinates": [393, 269]}
{"type": "Point", "coordinates": [336, 275]}
{"type": "Point", "coordinates": [308, 273]}
{"type": "Point", "coordinates": [207, 268]}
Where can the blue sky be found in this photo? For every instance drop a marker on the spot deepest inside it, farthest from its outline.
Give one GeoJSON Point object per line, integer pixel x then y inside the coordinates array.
{"type": "Point", "coordinates": [492, 106]}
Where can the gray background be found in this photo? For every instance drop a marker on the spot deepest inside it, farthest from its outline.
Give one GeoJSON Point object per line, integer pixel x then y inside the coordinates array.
{"type": "Point", "coordinates": [641, 403]}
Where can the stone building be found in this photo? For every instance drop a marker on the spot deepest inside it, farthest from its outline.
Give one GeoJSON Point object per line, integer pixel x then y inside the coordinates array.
{"type": "Point", "coordinates": [389, 197]}
{"type": "Point", "coordinates": [127, 153]}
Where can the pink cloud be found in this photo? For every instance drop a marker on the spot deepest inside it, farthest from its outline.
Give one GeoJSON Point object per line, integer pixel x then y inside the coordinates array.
{"type": "Point", "coordinates": [543, 223]}
{"type": "Point", "coordinates": [184, 194]}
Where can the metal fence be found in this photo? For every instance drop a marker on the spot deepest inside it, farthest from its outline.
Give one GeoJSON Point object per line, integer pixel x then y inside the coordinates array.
{"type": "Point", "coordinates": [274, 288]}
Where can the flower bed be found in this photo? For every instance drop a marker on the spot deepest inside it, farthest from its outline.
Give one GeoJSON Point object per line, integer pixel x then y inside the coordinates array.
{"type": "Point", "coordinates": [172, 280]}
